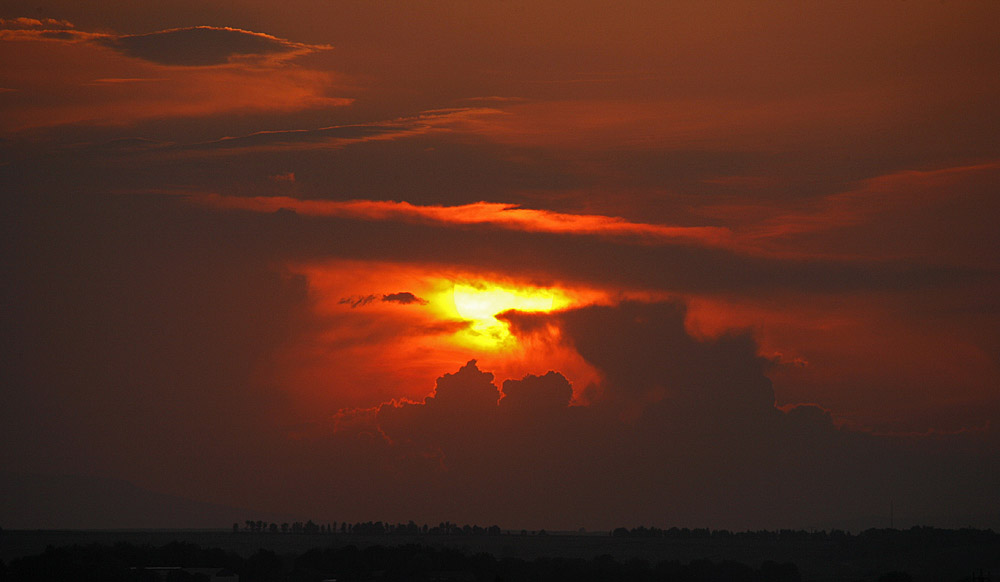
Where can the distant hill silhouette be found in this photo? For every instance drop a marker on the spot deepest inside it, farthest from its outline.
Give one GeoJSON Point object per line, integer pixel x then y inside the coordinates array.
{"type": "Point", "coordinates": [76, 502]}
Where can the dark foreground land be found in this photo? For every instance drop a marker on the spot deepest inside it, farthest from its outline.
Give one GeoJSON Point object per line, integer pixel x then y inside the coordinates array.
{"type": "Point", "coordinates": [918, 554]}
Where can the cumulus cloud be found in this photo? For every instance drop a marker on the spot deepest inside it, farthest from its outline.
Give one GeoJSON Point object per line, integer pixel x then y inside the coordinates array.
{"type": "Point", "coordinates": [549, 392]}
{"type": "Point", "coordinates": [686, 432]}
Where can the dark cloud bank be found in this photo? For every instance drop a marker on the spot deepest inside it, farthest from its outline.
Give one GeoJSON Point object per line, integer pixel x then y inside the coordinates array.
{"type": "Point", "coordinates": [681, 432]}
{"type": "Point", "coordinates": [134, 353]}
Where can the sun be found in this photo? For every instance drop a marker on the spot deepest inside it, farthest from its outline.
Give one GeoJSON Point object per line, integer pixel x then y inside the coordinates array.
{"type": "Point", "coordinates": [481, 302]}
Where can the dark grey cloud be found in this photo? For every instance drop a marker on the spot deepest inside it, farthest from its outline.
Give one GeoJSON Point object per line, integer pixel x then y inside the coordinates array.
{"type": "Point", "coordinates": [203, 46]}
{"type": "Point", "coordinates": [686, 433]}
{"type": "Point", "coordinates": [537, 393]}
{"type": "Point", "coordinates": [403, 297]}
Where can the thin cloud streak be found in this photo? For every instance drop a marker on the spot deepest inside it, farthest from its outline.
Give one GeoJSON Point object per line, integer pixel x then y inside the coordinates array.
{"type": "Point", "coordinates": [337, 136]}
{"type": "Point", "coordinates": [495, 214]}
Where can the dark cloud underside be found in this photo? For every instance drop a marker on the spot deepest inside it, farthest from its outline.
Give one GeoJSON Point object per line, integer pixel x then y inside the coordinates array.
{"type": "Point", "coordinates": [199, 46]}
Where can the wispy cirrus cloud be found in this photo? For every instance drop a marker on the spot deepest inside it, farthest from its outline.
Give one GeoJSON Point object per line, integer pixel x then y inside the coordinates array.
{"type": "Point", "coordinates": [341, 135]}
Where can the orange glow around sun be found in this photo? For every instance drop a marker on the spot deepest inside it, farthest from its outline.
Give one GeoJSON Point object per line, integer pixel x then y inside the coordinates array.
{"type": "Point", "coordinates": [479, 303]}
{"type": "Point", "coordinates": [362, 345]}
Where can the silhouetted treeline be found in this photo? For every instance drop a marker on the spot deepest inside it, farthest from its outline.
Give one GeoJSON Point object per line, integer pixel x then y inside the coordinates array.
{"type": "Point", "coordinates": [126, 563]}
{"type": "Point", "coordinates": [366, 528]}
{"type": "Point", "coordinates": [915, 536]}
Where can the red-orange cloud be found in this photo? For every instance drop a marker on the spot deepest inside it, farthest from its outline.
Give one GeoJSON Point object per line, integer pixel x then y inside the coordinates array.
{"type": "Point", "coordinates": [495, 214]}
{"type": "Point", "coordinates": [58, 77]}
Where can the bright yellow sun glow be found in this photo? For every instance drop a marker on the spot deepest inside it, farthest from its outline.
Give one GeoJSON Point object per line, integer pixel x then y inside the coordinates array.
{"type": "Point", "coordinates": [480, 303]}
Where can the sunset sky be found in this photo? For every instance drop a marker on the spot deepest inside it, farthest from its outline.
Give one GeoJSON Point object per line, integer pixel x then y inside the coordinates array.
{"type": "Point", "coordinates": [541, 264]}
